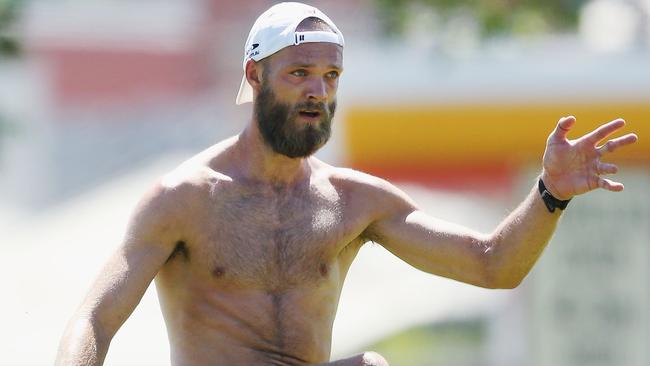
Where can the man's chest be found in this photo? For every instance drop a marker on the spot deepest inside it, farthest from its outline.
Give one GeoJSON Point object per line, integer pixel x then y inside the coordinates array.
{"type": "Point", "coordinates": [245, 237]}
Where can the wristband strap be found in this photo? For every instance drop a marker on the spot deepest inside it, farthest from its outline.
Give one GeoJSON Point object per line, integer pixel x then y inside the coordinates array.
{"type": "Point", "coordinates": [551, 202]}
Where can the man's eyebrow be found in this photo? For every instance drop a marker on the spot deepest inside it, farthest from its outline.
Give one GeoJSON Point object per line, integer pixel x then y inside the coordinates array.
{"type": "Point", "coordinates": [307, 66]}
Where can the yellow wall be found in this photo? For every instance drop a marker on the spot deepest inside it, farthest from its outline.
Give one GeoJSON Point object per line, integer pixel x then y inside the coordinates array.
{"type": "Point", "coordinates": [423, 136]}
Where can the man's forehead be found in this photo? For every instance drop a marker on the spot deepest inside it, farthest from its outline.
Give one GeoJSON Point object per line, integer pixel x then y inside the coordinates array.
{"type": "Point", "coordinates": [317, 53]}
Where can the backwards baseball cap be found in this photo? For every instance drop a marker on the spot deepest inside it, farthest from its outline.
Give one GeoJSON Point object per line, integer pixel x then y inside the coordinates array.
{"type": "Point", "coordinates": [275, 29]}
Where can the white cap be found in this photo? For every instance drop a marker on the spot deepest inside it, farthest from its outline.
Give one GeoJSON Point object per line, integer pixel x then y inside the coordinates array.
{"type": "Point", "coordinates": [275, 29]}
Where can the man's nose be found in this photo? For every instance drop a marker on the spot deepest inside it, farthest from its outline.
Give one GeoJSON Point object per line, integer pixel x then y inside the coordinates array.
{"type": "Point", "coordinates": [317, 90]}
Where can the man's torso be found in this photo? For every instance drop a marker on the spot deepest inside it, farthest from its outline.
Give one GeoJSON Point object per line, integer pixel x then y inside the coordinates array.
{"type": "Point", "coordinates": [257, 270]}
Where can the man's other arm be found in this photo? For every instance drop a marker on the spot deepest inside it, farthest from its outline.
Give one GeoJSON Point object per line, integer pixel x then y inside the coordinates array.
{"type": "Point", "coordinates": [503, 258]}
{"type": "Point", "coordinates": [121, 282]}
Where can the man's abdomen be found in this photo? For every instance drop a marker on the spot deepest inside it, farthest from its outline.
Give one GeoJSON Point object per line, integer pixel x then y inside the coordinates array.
{"type": "Point", "coordinates": [207, 325]}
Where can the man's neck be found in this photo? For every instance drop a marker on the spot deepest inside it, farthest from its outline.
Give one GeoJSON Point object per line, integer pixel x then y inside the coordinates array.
{"type": "Point", "coordinates": [260, 163]}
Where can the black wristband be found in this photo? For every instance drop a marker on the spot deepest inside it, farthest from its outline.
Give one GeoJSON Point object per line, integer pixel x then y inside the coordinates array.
{"type": "Point", "coordinates": [551, 202]}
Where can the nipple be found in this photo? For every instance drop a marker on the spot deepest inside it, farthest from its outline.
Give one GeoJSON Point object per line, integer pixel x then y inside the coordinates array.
{"type": "Point", "coordinates": [323, 269]}
{"type": "Point", "coordinates": [218, 271]}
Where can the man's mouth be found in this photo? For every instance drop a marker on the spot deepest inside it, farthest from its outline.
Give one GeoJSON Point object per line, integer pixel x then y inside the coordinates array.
{"type": "Point", "coordinates": [310, 114]}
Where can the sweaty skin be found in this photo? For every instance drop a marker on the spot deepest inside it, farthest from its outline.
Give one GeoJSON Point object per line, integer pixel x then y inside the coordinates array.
{"type": "Point", "coordinates": [249, 248]}
{"type": "Point", "coordinates": [261, 268]}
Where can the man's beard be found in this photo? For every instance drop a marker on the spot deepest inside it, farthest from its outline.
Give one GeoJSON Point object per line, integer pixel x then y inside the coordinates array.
{"type": "Point", "coordinates": [281, 130]}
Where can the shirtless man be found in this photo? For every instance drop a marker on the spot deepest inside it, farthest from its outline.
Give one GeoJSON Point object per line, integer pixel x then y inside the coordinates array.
{"type": "Point", "coordinates": [250, 241]}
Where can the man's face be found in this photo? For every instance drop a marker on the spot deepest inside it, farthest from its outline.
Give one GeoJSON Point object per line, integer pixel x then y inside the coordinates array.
{"type": "Point", "coordinates": [297, 99]}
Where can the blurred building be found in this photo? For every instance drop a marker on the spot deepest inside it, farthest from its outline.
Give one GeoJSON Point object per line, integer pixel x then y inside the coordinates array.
{"type": "Point", "coordinates": [140, 78]}
{"type": "Point", "coordinates": [107, 87]}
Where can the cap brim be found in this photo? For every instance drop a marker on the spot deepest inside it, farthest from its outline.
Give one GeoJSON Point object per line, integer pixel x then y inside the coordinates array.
{"type": "Point", "coordinates": [245, 94]}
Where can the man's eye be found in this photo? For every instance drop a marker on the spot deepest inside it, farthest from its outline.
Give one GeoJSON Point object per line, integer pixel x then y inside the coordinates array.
{"type": "Point", "coordinates": [333, 74]}
{"type": "Point", "coordinates": [299, 73]}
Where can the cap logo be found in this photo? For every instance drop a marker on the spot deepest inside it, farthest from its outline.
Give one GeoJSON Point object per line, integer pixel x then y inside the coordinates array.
{"type": "Point", "coordinates": [251, 51]}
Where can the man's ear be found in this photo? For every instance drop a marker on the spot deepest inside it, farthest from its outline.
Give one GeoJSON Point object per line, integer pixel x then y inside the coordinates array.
{"type": "Point", "coordinates": [254, 74]}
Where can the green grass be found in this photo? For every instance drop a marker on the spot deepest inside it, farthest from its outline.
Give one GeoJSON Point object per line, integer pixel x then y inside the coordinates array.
{"type": "Point", "coordinates": [453, 343]}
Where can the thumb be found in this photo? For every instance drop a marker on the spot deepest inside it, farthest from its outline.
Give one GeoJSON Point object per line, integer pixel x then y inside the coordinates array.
{"type": "Point", "coordinates": [562, 129]}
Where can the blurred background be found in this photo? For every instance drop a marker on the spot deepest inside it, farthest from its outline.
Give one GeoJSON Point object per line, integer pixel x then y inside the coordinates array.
{"type": "Point", "coordinates": [450, 100]}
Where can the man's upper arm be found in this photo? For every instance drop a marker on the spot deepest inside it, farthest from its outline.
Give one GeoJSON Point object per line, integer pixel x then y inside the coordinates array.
{"type": "Point", "coordinates": [148, 242]}
{"type": "Point", "coordinates": [429, 244]}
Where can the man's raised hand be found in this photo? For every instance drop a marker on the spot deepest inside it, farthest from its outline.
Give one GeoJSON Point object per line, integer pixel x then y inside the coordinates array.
{"type": "Point", "coordinates": [573, 167]}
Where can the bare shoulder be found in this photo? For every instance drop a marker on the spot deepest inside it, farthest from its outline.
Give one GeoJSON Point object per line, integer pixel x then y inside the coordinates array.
{"type": "Point", "coordinates": [361, 188]}
{"type": "Point", "coordinates": [169, 205]}
{"type": "Point", "coordinates": [364, 184]}
{"type": "Point", "coordinates": [199, 172]}
{"type": "Point", "coordinates": [352, 179]}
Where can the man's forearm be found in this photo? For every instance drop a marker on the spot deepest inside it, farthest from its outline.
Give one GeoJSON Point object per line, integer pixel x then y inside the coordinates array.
{"type": "Point", "coordinates": [83, 344]}
{"type": "Point", "coordinates": [520, 239]}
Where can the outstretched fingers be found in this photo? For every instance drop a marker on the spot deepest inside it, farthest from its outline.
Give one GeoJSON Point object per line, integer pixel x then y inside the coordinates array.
{"type": "Point", "coordinates": [610, 185]}
{"type": "Point", "coordinates": [614, 144]}
{"type": "Point", "coordinates": [606, 168]}
{"type": "Point", "coordinates": [562, 129]}
{"type": "Point", "coordinates": [603, 131]}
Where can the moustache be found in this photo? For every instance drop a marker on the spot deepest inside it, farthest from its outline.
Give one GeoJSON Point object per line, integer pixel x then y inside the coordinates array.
{"type": "Point", "coordinates": [320, 107]}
